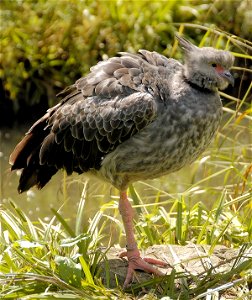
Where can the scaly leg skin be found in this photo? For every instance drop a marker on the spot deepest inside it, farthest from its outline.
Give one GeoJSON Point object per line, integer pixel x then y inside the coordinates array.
{"type": "Point", "coordinates": [132, 253]}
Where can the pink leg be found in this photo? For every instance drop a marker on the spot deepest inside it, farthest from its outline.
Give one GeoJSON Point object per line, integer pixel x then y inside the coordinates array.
{"type": "Point", "coordinates": [132, 253]}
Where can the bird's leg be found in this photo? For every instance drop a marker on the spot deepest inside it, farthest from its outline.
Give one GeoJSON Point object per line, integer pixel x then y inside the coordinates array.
{"type": "Point", "coordinates": [132, 253]}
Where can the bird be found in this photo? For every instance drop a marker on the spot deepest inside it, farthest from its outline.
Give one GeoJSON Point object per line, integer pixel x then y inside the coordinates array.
{"type": "Point", "coordinates": [135, 116]}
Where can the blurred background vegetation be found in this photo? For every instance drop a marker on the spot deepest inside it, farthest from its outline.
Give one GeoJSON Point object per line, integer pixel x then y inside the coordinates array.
{"type": "Point", "coordinates": [47, 45]}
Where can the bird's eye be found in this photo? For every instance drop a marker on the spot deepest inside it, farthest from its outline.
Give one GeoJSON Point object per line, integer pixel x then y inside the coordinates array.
{"type": "Point", "coordinates": [214, 65]}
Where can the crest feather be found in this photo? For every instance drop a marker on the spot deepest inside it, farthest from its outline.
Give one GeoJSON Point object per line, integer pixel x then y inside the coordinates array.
{"type": "Point", "coordinates": [185, 44]}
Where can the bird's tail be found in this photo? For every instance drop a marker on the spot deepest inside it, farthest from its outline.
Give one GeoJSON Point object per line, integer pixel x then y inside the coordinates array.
{"type": "Point", "coordinates": [25, 156]}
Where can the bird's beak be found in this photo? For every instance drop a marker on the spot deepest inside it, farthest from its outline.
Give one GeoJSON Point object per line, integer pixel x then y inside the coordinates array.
{"type": "Point", "coordinates": [228, 76]}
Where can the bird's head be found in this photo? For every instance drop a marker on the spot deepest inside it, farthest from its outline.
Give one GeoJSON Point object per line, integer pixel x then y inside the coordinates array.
{"type": "Point", "coordinates": [207, 67]}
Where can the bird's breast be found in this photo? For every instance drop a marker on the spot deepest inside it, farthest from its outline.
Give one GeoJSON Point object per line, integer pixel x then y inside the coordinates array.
{"type": "Point", "coordinates": [180, 133]}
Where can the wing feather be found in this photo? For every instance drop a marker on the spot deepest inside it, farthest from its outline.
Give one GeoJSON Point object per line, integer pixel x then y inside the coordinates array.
{"type": "Point", "coordinates": [116, 100]}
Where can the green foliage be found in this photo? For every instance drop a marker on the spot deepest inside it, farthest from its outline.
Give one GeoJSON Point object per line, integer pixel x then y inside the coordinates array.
{"type": "Point", "coordinates": [47, 45]}
{"type": "Point", "coordinates": [39, 257]}
{"type": "Point", "coordinates": [222, 224]}
{"type": "Point", "coordinates": [42, 260]}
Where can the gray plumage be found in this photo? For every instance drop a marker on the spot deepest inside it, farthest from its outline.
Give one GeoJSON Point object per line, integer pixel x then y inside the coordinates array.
{"type": "Point", "coordinates": [133, 117]}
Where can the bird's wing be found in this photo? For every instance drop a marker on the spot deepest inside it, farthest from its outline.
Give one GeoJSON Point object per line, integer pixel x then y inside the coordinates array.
{"type": "Point", "coordinates": [125, 75]}
{"type": "Point", "coordinates": [115, 101]}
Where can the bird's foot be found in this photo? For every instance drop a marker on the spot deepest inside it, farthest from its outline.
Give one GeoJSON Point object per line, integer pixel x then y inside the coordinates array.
{"type": "Point", "coordinates": [136, 262]}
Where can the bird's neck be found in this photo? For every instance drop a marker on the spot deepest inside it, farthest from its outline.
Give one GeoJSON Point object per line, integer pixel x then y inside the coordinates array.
{"type": "Point", "coordinates": [199, 82]}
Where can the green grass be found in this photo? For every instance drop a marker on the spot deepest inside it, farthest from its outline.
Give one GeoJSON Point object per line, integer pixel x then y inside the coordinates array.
{"type": "Point", "coordinates": [212, 206]}
{"type": "Point", "coordinates": [40, 260]}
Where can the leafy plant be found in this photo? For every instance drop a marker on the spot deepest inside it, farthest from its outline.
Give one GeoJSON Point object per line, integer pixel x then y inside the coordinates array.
{"type": "Point", "coordinates": [47, 45]}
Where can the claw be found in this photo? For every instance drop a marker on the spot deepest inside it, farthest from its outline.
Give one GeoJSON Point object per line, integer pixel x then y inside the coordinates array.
{"type": "Point", "coordinates": [138, 263]}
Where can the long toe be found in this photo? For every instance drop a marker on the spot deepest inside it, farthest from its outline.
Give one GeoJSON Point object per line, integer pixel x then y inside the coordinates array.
{"type": "Point", "coordinates": [156, 262]}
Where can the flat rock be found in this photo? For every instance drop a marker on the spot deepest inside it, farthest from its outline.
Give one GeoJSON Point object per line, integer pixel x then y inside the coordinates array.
{"type": "Point", "coordinates": [191, 259]}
